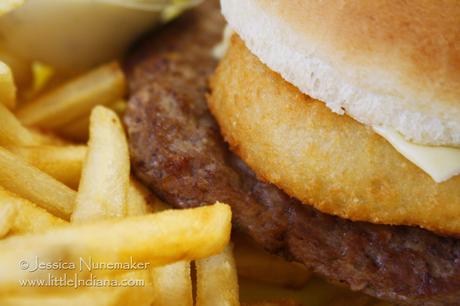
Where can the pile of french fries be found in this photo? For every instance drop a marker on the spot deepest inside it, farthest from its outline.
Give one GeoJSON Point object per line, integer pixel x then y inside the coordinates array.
{"type": "Point", "coordinates": [67, 198]}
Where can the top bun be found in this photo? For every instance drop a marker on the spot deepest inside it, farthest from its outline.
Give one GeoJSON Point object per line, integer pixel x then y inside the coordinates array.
{"type": "Point", "coordinates": [387, 63]}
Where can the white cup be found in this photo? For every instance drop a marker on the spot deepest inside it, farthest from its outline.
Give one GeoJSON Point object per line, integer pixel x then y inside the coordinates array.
{"type": "Point", "coordinates": [72, 35]}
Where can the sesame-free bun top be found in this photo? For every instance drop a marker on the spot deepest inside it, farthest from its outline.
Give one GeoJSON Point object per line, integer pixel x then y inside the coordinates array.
{"type": "Point", "coordinates": [387, 63]}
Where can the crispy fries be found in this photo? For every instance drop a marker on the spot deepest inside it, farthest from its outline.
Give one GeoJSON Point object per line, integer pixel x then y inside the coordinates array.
{"type": "Point", "coordinates": [75, 99]}
{"type": "Point", "coordinates": [217, 280]}
{"type": "Point", "coordinates": [105, 126]}
{"type": "Point", "coordinates": [64, 163]}
{"type": "Point", "coordinates": [173, 284]}
{"type": "Point", "coordinates": [105, 177]}
{"type": "Point", "coordinates": [143, 295]}
{"type": "Point", "coordinates": [31, 183]}
{"type": "Point", "coordinates": [29, 217]}
{"type": "Point", "coordinates": [12, 132]}
{"type": "Point", "coordinates": [158, 239]}
{"type": "Point", "coordinates": [136, 204]}
{"type": "Point", "coordinates": [7, 87]}
{"type": "Point", "coordinates": [79, 129]}
{"type": "Point", "coordinates": [8, 214]}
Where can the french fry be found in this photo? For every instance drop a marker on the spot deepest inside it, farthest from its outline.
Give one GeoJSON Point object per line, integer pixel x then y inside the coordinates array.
{"type": "Point", "coordinates": [29, 217]}
{"type": "Point", "coordinates": [12, 132]}
{"type": "Point", "coordinates": [158, 239]}
{"type": "Point", "coordinates": [7, 87]}
{"type": "Point", "coordinates": [142, 201]}
{"type": "Point", "coordinates": [255, 263]}
{"type": "Point", "coordinates": [217, 280]}
{"type": "Point", "coordinates": [33, 184]}
{"type": "Point", "coordinates": [137, 206]}
{"type": "Point", "coordinates": [104, 129]}
{"type": "Point", "coordinates": [105, 177]}
{"type": "Point", "coordinates": [7, 216]}
{"type": "Point", "coordinates": [138, 192]}
{"type": "Point", "coordinates": [142, 295]}
{"type": "Point", "coordinates": [64, 163]}
{"type": "Point", "coordinates": [173, 284]}
{"type": "Point", "coordinates": [48, 138]}
{"type": "Point", "coordinates": [137, 199]}
{"type": "Point", "coordinates": [101, 86]}
{"type": "Point", "coordinates": [78, 129]}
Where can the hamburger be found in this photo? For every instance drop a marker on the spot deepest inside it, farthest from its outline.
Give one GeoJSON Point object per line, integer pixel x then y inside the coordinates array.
{"type": "Point", "coordinates": [341, 128]}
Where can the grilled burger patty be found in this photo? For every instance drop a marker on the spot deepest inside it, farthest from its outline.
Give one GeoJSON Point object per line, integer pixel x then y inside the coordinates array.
{"type": "Point", "coordinates": [177, 150]}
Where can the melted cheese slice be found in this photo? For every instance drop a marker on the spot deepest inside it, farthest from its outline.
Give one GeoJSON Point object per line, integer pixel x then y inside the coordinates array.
{"type": "Point", "coordinates": [441, 163]}
{"type": "Point", "coordinates": [222, 47]}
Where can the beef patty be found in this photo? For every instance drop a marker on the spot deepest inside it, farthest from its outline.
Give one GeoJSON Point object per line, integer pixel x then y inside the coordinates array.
{"type": "Point", "coordinates": [177, 151]}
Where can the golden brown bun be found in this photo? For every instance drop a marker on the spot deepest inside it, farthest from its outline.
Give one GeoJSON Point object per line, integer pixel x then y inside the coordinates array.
{"type": "Point", "coordinates": [329, 161]}
{"type": "Point", "coordinates": [385, 63]}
